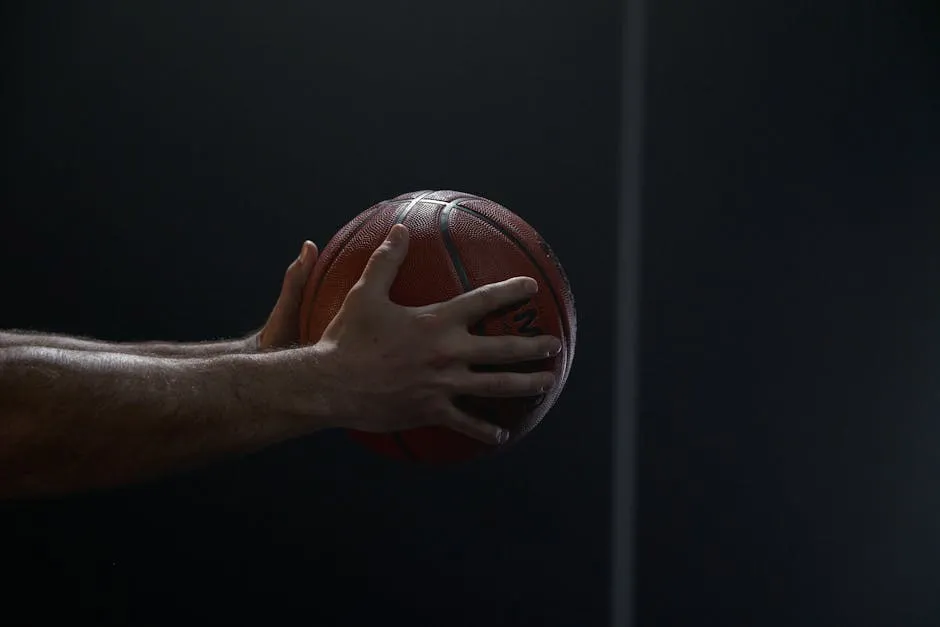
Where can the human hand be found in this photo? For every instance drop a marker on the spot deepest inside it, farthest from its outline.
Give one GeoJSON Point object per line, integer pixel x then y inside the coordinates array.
{"type": "Point", "coordinates": [392, 368]}
{"type": "Point", "coordinates": [282, 330]}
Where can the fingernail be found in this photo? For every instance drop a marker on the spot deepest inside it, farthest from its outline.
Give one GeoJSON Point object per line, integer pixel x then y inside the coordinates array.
{"type": "Point", "coordinates": [394, 236]}
{"type": "Point", "coordinates": [531, 286]}
{"type": "Point", "coordinates": [502, 436]}
{"type": "Point", "coordinates": [554, 347]}
{"type": "Point", "coordinates": [303, 254]}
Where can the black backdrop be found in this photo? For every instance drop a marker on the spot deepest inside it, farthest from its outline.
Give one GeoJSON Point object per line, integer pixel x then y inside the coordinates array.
{"type": "Point", "coordinates": [166, 160]}
{"type": "Point", "coordinates": [790, 325]}
{"type": "Point", "coordinates": [163, 165]}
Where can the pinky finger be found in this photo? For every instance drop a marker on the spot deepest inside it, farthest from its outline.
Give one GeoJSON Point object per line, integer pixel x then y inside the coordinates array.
{"type": "Point", "coordinates": [475, 428]}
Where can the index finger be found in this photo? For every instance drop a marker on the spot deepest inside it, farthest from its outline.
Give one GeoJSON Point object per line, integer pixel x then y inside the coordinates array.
{"type": "Point", "coordinates": [382, 268]}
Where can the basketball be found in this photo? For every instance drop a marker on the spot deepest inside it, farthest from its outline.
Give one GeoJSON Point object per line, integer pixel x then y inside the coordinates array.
{"type": "Point", "coordinates": [458, 242]}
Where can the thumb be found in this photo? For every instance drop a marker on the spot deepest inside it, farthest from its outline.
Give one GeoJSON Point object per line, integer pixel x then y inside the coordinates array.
{"type": "Point", "coordinates": [308, 254]}
{"type": "Point", "coordinates": [298, 272]}
{"type": "Point", "coordinates": [383, 265]}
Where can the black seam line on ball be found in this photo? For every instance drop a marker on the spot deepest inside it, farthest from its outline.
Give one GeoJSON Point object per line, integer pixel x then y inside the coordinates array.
{"type": "Point", "coordinates": [451, 246]}
{"type": "Point", "coordinates": [515, 240]}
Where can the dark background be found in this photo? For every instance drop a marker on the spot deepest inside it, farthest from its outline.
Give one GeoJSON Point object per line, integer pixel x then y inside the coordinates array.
{"type": "Point", "coordinates": [789, 447]}
{"type": "Point", "coordinates": [163, 165]}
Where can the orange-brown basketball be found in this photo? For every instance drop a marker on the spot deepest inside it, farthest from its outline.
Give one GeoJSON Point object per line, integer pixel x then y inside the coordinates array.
{"type": "Point", "coordinates": [458, 243]}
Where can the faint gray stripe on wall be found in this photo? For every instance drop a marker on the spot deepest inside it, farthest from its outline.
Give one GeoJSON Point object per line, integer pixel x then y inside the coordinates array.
{"type": "Point", "coordinates": [633, 75]}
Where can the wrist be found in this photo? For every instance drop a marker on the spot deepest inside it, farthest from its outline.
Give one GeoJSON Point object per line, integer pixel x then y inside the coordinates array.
{"type": "Point", "coordinates": [293, 384]}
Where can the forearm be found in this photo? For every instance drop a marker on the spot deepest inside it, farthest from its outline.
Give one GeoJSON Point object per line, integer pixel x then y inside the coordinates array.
{"type": "Point", "coordinates": [74, 420]}
{"type": "Point", "coordinates": [10, 339]}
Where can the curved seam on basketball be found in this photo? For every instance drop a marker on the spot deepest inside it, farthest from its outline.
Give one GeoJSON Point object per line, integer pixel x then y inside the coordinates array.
{"type": "Point", "coordinates": [403, 212]}
{"type": "Point", "coordinates": [451, 246]}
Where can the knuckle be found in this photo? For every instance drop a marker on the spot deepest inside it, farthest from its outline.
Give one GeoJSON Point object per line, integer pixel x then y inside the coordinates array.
{"type": "Point", "coordinates": [516, 347]}
{"type": "Point", "coordinates": [511, 347]}
{"type": "Point", "coordinates": [443, 356]}
{"type": "Point", "coordinates": [450, 381]}
{"type": "Point", "coordinates": [529, 345]}
{"type": "Point", "coordinates": [293, 273]}
{"type": "Point", "coordinates": [428, 322]}
{"type": "Point", "coordinates": [385, 250]}
{"type": "Point", "coordinates": [488, 297]}
{"type": "Point", "coordinates": [357, 292]}
{"type": "Point", "coordinates": [523, 384]}
{"type": "Point", "coordinates": [502, 382]}
{"type": "Point", "coordinates": [380, 256]}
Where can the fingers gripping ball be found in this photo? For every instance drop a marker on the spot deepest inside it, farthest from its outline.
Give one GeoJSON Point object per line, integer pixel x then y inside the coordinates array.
{"type": "Point", "coordinates": [458, 242]}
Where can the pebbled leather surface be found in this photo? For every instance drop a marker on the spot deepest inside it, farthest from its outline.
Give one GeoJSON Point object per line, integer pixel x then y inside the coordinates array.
{"type": "Point", "coordinates": [488, 243]}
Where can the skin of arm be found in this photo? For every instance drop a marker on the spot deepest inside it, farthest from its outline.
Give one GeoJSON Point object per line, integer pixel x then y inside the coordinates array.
{"type": "Point", "coordinates": [78, 420]}
{"type": "Point", "coordinates": [24, 339]}
{"type": "Point", "coordinates": [79, 413]}
{"type": "Point", "coordinates": [73, 420]}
